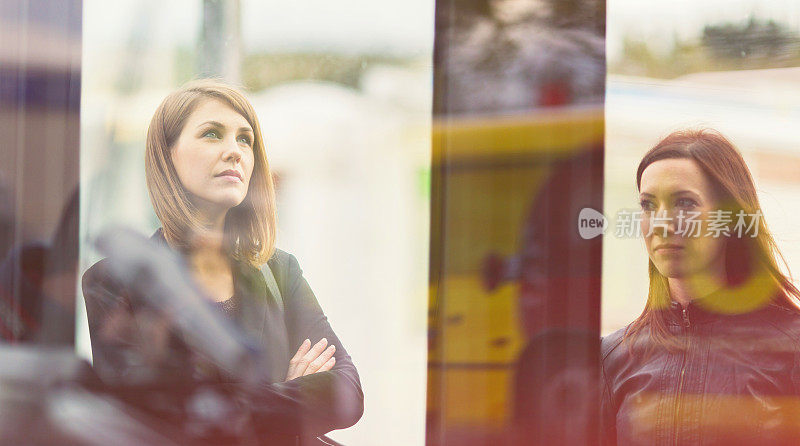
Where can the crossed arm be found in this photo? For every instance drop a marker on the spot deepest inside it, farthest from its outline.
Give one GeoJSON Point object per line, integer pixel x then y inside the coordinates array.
{"type": "Point", "coordinates": [321, 391]}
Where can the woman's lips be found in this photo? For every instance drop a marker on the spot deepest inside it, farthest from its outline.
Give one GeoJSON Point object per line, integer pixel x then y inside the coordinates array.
{"type": "Point", "coordinates": [230, 174]}
{"type": "Point", "coordinates": [231, 178]}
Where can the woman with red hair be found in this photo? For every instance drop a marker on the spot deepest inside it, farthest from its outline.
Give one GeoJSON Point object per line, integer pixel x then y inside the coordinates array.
{"type": "Point", "coordinates": [713, 358]}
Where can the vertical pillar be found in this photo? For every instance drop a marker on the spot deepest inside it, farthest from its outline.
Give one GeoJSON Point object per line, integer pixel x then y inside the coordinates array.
{"type": "Point", "coordinates": [221, 42]}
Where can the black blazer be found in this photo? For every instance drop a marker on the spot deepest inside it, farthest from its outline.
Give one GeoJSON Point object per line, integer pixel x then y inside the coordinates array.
{"type": "Point", "coordinates": [308, 406]}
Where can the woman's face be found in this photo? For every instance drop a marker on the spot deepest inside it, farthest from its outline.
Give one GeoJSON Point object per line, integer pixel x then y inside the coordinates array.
{"type": "Point", "coordinates": [213, 157]}
{"type": "Point", "coordinates": [668, 187]}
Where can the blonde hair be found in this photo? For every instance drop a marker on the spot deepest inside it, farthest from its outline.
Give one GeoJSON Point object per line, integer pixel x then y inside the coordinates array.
{"type": "Point", "coordinates": [250, 227]}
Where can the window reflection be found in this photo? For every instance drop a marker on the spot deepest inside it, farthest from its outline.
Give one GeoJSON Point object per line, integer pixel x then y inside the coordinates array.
{"type": "Point", "coordinates": [347, 118]}
{"type": "Point", "coordinates": [707, 97]}
{"type": "Point", "coordinates": [39, 105]}
{"type": "Point", "coordinates": [531, 149]}
{"type": "Point", "coordinates": [343, 102]}
{"type": "Point", "coordinates": [518, 160]}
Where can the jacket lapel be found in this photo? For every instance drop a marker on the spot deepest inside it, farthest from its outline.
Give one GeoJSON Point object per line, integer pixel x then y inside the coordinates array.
{"type": "Point", "coordinates": [261, 317]}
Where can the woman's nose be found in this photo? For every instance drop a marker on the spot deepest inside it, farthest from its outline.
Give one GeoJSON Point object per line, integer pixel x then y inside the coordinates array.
{"type": "Point", "coordinates": [232, 152]}
{"type": "Point", "coordinates": [664, 221]}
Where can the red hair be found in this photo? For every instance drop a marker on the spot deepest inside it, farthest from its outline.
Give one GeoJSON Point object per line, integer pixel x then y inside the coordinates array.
{"type": "Point", "coordinates": [753, 276]}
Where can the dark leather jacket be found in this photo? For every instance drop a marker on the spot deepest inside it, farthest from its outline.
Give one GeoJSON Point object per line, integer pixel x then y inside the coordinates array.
{"type": "Point", "coordinates": [735, 380]}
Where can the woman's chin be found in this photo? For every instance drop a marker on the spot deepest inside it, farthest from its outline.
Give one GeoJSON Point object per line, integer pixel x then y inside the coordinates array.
{"type": "Point", "coordinates": [671, 271]}
{"type": "Point", "coordinates": [216, 205]}
{"type": "Point", "coordinates": [232, 203]}
{"type": "Point", "coordinates": [228, 201]}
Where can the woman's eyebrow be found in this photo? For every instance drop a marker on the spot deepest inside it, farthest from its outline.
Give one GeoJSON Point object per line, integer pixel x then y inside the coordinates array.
{"type": "Point", "coordinates": [214, 123]}
{"type": "Point", "coordinates": [678, 192]}
{"type": "Point", "coordinates": [219, 124]}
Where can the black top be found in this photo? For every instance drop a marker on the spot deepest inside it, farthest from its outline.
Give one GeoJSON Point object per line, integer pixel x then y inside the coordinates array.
{"type": "Point", "coordinates": [309, 406]}
{"type": "Point", "coordinates": [229, 306]}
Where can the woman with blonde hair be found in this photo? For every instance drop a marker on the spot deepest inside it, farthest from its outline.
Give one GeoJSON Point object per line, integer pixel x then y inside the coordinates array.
{"type": "Point", "coordinates": [211, 188]}
{"type": "Point", "coordinates": [714, 357]}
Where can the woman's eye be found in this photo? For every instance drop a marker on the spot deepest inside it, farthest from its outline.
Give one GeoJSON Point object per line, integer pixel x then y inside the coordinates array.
{"type": "Point", "coordinates": [686, 203]}
{"type": "Point", "coordinates": [211, 134]}
{"type": "Point", "coordinates": [646, 205]}
{"type": "Point", "coordinates": [245, 140]}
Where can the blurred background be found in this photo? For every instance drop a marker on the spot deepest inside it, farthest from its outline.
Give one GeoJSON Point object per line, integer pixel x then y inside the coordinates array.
{"type": "Point", "coordinates": [732, 65]}
{"type": "Point", "coordinates": [446, 166]}
{"type": "Point", "coordinates": [342, 91]}
{"type": "Point", "coordinates": [517, 154]}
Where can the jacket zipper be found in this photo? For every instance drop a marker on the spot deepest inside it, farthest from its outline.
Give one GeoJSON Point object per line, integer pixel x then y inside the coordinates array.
{"type": "Point", "coordinates": [687, 325]}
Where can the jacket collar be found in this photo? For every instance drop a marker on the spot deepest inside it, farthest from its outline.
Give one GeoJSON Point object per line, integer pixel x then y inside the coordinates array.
{"type": "Point", "coordinates": [718, 305]}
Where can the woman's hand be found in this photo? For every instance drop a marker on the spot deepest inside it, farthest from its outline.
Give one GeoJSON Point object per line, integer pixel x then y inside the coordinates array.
{"type": "Point", "coordinates": [310, 359]}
